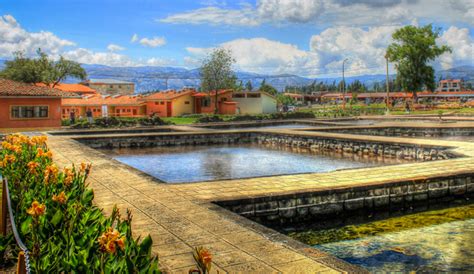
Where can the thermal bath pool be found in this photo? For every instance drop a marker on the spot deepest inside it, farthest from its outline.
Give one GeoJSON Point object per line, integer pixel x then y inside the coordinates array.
{"type": "Point", "coordinates": [433, 241]}
{"type": "Point", "coordinates": [217, 162]}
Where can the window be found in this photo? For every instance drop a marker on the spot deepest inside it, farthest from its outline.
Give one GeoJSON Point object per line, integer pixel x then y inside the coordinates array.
{"type": "Point", "coordinates": [205, 102]}
{"type": "Point", "coordinates": [223, 99]}
{"type": "Point", "coordinates": [20, 112]}
{"type": "Point", "coordinates": [186, 102]}
{"type": "Point", "coordinates": [238, 95]}
{"type": "Point", "coordinates": [162, 103]}
{"type": "Point", "coordinates": [253, 95]}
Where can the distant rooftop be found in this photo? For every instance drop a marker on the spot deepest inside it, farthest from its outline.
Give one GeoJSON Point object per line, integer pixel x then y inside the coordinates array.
{"type": "Point", "coordinates": [108, 81]}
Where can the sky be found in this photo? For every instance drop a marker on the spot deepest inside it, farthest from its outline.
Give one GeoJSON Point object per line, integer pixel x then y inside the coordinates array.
{"type": "Point", "coordinates": [304, 37]}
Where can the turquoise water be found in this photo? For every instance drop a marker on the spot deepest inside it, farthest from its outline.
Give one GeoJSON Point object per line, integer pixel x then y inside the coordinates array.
{"type": "Point", "coordinates": [433, 241]}
{"type": "Point", "coordinates": [215, 162]}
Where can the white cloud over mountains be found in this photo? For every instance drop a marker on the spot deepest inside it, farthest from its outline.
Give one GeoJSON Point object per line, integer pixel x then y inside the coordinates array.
{"type": "Point", "coordinates": [365, 50]}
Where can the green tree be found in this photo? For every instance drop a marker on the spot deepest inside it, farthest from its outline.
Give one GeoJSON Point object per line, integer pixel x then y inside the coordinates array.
{"type": "Point", "coordinates": [284, 100]}
{"type": "Point", "coordinates": [412, 51]}
{"type": "Point", "coordinates": [248, 86]}
{"type": "Point", "coordinates": [268, 88]}
{"type": "Point", "coordinates": [41, 69]}
{"type": "Point", "coordinates": [216, 73]}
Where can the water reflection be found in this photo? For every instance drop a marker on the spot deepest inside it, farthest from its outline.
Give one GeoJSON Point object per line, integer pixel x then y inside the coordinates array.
{"type": "Point", "coordinates": [432, 241]}
{"type": "Point", "coordinates": [214, 162]}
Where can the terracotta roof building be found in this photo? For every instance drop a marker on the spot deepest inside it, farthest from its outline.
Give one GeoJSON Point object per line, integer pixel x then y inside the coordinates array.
{"type": "Point", "coordinates": [105, 105]}
{"type": "Point", "coordinates": [29, 106]}
{"type": "Point", "coordinates": [78, 89]}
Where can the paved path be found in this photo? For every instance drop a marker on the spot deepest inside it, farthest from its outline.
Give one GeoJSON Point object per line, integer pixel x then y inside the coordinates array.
{"type": "Point", "coordinates": [180, 217]}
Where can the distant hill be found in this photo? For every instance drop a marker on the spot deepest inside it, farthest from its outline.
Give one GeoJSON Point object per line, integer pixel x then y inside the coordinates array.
{"type": "Point", "coordinates": [149, 78]}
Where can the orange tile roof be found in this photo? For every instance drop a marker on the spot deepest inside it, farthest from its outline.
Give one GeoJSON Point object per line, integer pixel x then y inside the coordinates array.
{"type": "Point", "coordinates": [212, 93]}
{"type": "Point", "coordinates": [98, 100]}
{"type": "Point", "coordinates": [13, 88]}
{"type": "Point", "coordinates": [75, 88]}
{"type": "Point", "coordinates": [167, 95]}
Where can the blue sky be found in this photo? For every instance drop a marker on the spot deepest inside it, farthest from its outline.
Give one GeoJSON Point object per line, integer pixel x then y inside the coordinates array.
{"type": "Point", "coordinates": [304, 37]}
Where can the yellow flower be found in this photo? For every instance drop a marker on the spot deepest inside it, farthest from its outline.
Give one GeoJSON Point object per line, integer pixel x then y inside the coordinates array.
{"type": "Point", "coordinates": [61, 198]}
{"type": "Point", "coordinates": [6, 145]}
{"type": "Point", "coordinates": [36, 209]}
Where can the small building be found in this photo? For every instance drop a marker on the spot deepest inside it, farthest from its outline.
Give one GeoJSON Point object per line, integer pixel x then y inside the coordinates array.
{"type": "Point", "coordinates": [111, 86]}
{"type": "Point", "coordinates": [205, 102]}
{"type": "Point", "coordinates": [449, 85]}
{"type": "Point", "coordinates": [104, 106]}
{"type": "Point", "coordinates": [254, 102]}
{"type": "Point", "coordinates": [78, 89]}
{"type": "Point", "coordinates": [29, 106]}
{"type": "Point", "coordinates": [170, 103]}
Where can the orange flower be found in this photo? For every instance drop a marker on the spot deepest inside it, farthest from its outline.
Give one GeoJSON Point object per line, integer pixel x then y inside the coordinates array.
{"type": "Point", "coordinates": [203, 259]}
{"type": "Point", "coordinates": [39, 140]}
{"type": "Point", "coordinates": [61, 198]}
{"type": "Point", "coordinates": [36, 209]}
{"type": "Point", "coordinates": [39, 152]}
{"type": "Point", "coordinates": [50, 173]}
{"type": "Point", "coordinates": [109, 240]}
{"type": "Point", "coordinates": [68, 176]}
{"type": "Point", "coordinates": [6, 145]}
{"type": "Point", "coordinates": [121, 242]}
{"type": "Point", "coordinates": [16, 149]}
{"type": "Point", "coordinates": [8, 159]}
{"type": "Point", "coordinates": [32, 166]}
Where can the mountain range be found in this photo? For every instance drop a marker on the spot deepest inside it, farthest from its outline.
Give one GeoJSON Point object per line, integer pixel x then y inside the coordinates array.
{"type": "Point", "coordinates": [150, 78]}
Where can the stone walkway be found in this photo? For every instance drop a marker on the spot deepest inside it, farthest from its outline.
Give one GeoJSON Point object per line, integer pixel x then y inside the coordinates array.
{"type": "Point", "coordinates": [180, 217]}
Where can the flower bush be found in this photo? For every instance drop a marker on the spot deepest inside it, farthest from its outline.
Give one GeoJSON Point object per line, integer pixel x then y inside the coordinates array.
{"type": "Point", "coordinates": [57, 220]}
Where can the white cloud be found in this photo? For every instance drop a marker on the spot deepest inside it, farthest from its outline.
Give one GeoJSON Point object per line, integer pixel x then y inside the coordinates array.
{"type": "Point", "coordinates": [261, 55]}
{"type": "Point", "coordinates": [462, 47]}
{"type": "Point", "coordinates": [14, 38]}
{"type": "Point", "coordinates": [134, 38]}
{"type": "Point", "coordinates": [114, 47]}
{"type": "Point", "coordinates": [291, 10]}
{"type": "Point", "coordinates": [330, 12]}
{"type": "Point", "coordinates": [153, 42]}
{"type": "Point", "coordinates": [365, 49]}
{"type": "Point", "coordinates": [215, 16]}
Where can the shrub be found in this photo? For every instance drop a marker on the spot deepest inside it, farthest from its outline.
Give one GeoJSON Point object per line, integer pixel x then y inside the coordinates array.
{"type": "Point", "coordinates": [209, 119]}
{"type": "Point", "coordinates": [61, 227]}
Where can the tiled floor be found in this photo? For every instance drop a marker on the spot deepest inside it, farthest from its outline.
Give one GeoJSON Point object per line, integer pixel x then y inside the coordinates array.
{"type": "Point", "coordinates": [180, 217]}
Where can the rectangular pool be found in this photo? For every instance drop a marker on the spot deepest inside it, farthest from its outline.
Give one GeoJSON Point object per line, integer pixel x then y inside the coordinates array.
{"type": "Point", "coordinates": [180, 164]}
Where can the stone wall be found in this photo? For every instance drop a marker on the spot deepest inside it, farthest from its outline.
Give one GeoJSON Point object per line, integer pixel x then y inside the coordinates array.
{"type": "Point", "coordinates": [366, 147]}
{"type": "Point", "coordinates": [406, 131]}
{"type": "Point", "coordinates": [329, 204]}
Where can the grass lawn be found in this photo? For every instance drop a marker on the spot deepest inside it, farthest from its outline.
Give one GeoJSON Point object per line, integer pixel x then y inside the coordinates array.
{"type": "Point", "coordinates": [180, 120]}
{"type": "Point", "coordinates": [435, 111]}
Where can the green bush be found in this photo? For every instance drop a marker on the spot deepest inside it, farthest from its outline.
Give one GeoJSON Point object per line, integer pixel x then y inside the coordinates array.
{"type": "Point", "coordinates": [112, 122]}
{"type": "Point", "coordinates": [61, 227]}
{"type": "Point", "coordinates": [209, 119]}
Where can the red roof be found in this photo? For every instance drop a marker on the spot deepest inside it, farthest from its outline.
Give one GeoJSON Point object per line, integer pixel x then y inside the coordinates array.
{"type": "Point", "coordinates": [212, 93]}
{"type": "Point", "coordinates": [98, 100]}
{"type": "Point", "coordinates": [13, 88]}
{"type": "Point", "coordinates": [75, 88]}
{"type": "Point", "coordinates": [167, 95]}
{"type": "Point", "coordinates": [450, 81]}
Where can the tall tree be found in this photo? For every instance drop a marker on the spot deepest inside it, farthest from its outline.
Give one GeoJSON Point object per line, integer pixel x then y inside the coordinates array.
{"type": "Point", "coordinates": [41, 69]}
{"type": "Point", "coordinates": [216, 73]}
{"type": "Point", "coordinates": [248, 86]}
{"type": "Point", "coordinates": [268, 88]}
{"type": "Point", "coordinates": [412, 51]}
